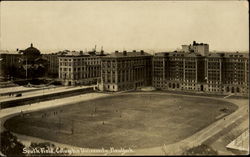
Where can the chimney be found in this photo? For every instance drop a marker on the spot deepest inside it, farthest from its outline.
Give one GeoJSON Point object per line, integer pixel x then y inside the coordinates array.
{"type": "Point", "coordinates": [31, 45]}
{"type": "Point", "coordinates": [134, 50]}
{"type": "Point", "coordinates": [116, 51]}
{"type": "Point", "coordinates": [124, 53]}
{"type": "Point", "coordinates": [17, 49]}
{"type": "Point", "coordinates": [142, 52]}
{"type": "Point", "coordinates": [194, 42]}
{"type": "Point", "coordinates": [102, 52]}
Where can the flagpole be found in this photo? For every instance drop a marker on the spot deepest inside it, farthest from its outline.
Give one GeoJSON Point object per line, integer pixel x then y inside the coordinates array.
{"type": "Point", "coordinates": [26, 67]}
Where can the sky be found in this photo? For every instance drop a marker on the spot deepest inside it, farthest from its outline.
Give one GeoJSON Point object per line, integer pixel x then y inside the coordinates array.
{"type": "Point", "coordinates": [124, 25]}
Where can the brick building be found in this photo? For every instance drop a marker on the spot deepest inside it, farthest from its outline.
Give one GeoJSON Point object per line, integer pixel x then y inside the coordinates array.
{"type": "Point", "coordinates": [196, 71]}
{"type": "Point", "coordinates": [178, 71]}
{"type": "Point", "coordinates": [125, 71]}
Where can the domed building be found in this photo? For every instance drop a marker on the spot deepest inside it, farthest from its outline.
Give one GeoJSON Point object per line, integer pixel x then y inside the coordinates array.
{"type": "Point", "coordinates": [31, 54]}
{"type": "Point", "coordinates": [32, 63]}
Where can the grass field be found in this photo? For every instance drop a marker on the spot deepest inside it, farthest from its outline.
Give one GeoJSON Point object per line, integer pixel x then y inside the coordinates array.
{"type": "Point", "coordinates": [128, 120]}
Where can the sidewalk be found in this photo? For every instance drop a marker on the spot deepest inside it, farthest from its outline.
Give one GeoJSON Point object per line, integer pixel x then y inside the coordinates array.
{"type": "Point", "coordinates": [50, 103]}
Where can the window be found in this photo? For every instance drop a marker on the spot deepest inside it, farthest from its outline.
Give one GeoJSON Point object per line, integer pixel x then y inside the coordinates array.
{"type": "Point", "coordinates": [238, 89]}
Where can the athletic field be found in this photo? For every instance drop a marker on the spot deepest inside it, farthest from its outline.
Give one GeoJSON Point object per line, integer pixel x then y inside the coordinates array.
{"type": "Point", "coordinates": [126, 120]}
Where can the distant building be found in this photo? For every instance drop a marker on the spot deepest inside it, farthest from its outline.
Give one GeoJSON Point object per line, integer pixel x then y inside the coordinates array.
{"type": "Point", "coordinates": [32, 63]}
{"type": "Point", "coordinates": [125, 71]}
{"type": "Point", "coordinates": [53, 64]}
{"type": "Point", "coordinates": [30, 54]}
{"type": "Point", "coordinates": [78, 68]}
{"type": "Point", "coordinates": [9, 62]}
{"type": "Point", "coordinates": [200, 48]}
{"type": "Point", "coordinates": [26, 63]}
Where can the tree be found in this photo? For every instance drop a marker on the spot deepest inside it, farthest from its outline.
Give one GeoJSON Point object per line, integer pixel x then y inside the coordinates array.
{"type": "Point", "coordinates": [10, 146]}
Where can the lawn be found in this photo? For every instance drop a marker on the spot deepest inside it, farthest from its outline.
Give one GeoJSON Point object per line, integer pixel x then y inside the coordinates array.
{"type": "Point", "coordinates": [127, 120]}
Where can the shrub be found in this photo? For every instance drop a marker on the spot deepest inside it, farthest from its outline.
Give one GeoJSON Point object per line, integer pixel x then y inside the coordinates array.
{"type": "Point", "coordinates": [201, 150]}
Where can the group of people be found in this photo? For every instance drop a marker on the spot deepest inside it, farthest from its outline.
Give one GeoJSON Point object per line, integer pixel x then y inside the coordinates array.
{"type": "Point", "coordinates": [54, 113]}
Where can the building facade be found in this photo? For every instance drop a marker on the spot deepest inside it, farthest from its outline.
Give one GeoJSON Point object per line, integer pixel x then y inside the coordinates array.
{"type": "Point", "coordinates": [125, 71]}
{"type": "Point", "coordinates": [53, 64]}
{"type": "Point", "coordinates": [193, 69]}
{"type": "Point", "coordinates": [236, 72]}
{"type": "Point", "coordinates": [178, 71]}
{"type": "Point", "coordinates": [216, 73]}
{"type": "Point", "coordinates": [78, 68]}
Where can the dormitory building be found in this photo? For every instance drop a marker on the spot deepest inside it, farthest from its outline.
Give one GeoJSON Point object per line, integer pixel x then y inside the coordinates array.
{"type": "Point", "coordinates": [192, 69]}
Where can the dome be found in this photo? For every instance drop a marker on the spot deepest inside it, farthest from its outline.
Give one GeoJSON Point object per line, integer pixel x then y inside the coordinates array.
{"type": "Point", "coordinates": [31, 51]}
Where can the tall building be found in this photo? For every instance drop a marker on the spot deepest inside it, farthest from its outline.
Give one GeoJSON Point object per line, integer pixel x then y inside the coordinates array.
{"type": "Point", "coordinates": [200, 48]}
{"type": "Point", "coordinates": [214, 65]}
{"type": "Point", "coordinates": [78, 68]}
{"type": "Point", "coordinates": [218, 73]}
{"type": "Point", "coordinates": [125, 71]}
{"type": "Point", "coordinates": [235, 73]}
{"type": "Point", "coordinates": [160, 70]}
{"type": "Point", "coordinates": [178, 71]}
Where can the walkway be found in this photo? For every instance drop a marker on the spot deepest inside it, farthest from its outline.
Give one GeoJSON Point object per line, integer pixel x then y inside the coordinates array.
{"type": "Point", "coordinates": [42, 92]}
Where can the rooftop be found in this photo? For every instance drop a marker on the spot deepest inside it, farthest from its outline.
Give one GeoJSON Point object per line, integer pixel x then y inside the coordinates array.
{"type": "Point", "coordinates": [68, 53]}
{"type": "Point", "coordinates": [129, 54]}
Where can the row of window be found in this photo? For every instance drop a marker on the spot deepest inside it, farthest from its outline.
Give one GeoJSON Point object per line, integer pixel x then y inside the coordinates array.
{"type": "Point", "coordinates": [79, 59]}
{"type": "Point", "coordinates": [79, 63]}
{"type": "Point", "coordinates": [78, 75]}
{"type": "Point", "coordinates": [79, 69]}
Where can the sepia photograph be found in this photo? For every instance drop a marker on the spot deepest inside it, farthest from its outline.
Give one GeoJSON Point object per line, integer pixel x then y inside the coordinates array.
{"type": "Point", "coordinates": [124, 78]}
